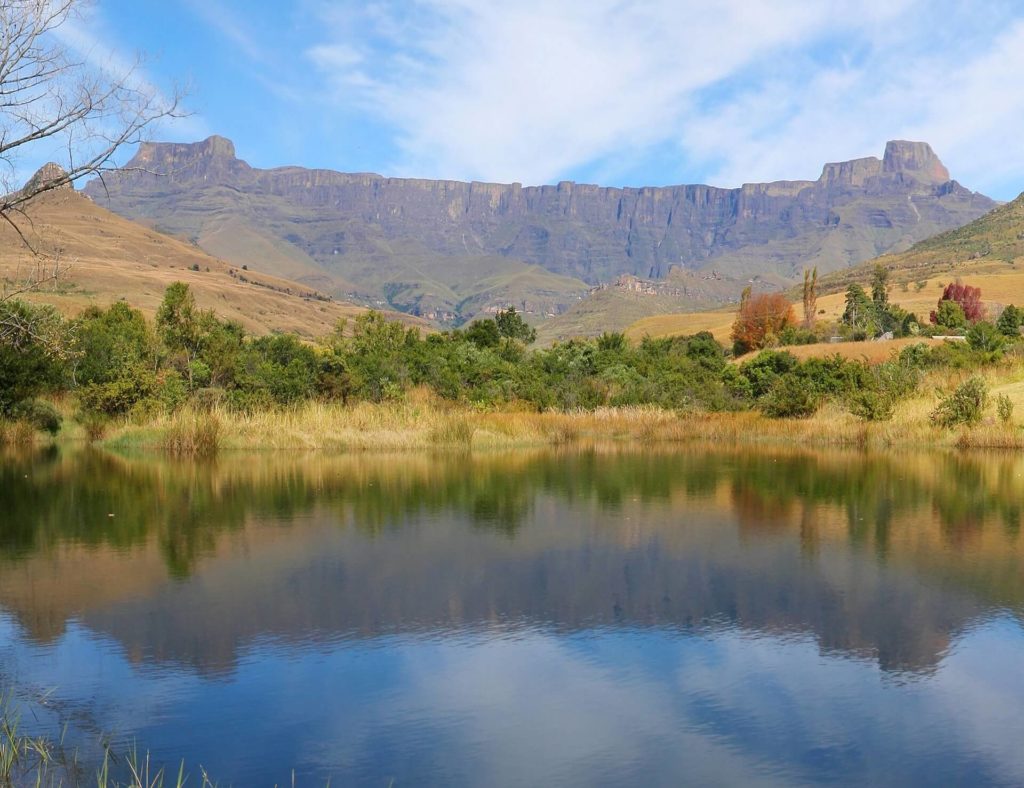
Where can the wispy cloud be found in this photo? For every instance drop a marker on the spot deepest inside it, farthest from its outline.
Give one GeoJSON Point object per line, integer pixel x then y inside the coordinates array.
{"type": "Point", "coordinates": [533, 90]}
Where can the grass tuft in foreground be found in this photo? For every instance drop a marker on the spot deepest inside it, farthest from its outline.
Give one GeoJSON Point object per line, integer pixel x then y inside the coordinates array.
{"type": "Point", "coordinates": [46, 763]}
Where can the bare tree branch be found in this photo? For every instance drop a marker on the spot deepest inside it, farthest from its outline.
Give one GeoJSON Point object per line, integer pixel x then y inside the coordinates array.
{"type": "Point", "coordinates": [51, 99]}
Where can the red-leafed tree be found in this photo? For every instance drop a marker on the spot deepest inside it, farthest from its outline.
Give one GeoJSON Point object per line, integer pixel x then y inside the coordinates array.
{"type": "Point", "coordinates": [760, 320]}
{"type": "Point", "coordinates": [969, 299]}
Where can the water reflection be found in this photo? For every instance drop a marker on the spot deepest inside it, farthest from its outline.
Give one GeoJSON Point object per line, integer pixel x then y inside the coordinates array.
{"type": "Point", "coordinates": [736, 603]}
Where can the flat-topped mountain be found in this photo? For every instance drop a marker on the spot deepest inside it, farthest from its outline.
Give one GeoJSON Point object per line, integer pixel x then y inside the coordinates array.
{"type": "Point", "coordinates": [450, 249]}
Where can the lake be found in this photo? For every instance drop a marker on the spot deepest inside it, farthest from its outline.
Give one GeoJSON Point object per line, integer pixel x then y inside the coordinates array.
{"type": "Point", "coordinates": [588, 616]}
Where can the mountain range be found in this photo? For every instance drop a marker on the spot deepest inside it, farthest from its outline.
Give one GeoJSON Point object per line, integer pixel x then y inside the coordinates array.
{"type": "Point", "coordinates": [450, 250]}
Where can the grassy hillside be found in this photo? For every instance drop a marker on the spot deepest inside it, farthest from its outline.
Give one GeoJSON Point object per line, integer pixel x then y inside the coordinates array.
{"type": "Point", "coordinates": [992, 246]}
{"type": "Point", "coordinates": [112, 258]}
{"type": "Point", "coordinates": [987, 253]}
{"type": "Point", "coordinates": [618, 306]}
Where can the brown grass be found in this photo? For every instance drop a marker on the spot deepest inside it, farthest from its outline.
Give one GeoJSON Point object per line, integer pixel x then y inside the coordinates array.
{"type": "Point", "coordinates": [424, 422]}
{"type": "Point", "coordinates": [17, 433]}
{"type": "Point", "coordinates": [112, 258]}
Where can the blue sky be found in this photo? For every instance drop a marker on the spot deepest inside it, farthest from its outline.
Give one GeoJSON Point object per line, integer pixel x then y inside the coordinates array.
{"type": "Point", "coordinates": [610, 91]}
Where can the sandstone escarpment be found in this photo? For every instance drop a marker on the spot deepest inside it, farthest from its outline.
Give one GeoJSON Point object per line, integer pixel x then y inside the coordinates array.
{"type": "Point", "coordinates": [370, 230]}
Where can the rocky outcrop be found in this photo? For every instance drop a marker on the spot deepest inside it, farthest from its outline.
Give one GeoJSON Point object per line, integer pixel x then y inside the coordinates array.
{"type": "Point", "coordinates": [47, 175]}
{"type": "Point", "coordinates": [854, 211]}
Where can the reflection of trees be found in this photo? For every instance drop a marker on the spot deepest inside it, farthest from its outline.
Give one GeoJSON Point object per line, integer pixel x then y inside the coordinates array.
{"type": "Point", "coordinates": [861, 550]}
{"type": "Point", "coordinates": [48, 498]}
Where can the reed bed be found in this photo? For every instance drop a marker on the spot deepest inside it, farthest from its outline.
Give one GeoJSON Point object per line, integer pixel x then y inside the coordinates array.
{"type": "Point", "coordinates": [17, 433]}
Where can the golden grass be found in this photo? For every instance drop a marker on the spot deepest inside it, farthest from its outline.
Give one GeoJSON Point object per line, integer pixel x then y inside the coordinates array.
{"type": "Point", "coordinates": [111, 258]}
{"type": "Point", "coordinates": [17, 433]}
{"type": "Point", "coordinates": [423, 421]}
{"type": "Point", "coordinates": [871, 352]}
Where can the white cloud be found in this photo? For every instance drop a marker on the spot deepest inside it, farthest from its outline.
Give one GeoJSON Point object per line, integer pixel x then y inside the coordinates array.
{"type": "Point", "coordinates": [534, 90]}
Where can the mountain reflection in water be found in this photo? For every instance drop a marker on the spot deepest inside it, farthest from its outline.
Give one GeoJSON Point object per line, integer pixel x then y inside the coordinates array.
{"type": "Point", "coordinates": [578, 616]}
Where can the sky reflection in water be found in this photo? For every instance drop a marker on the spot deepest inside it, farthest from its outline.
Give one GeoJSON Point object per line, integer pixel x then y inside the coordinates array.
{"type": "Point", "coordinates": [571, 618]}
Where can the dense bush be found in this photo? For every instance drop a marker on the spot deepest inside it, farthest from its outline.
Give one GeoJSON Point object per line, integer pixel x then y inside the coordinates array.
{"type": "Point", "coordinates": [121, 365]}
{"type": "Point", "coordinates": [31, 360]}
{"type": "Point", "coordinates": [790, 397]}
{"type": "Point", "coordinates": [965, 405]}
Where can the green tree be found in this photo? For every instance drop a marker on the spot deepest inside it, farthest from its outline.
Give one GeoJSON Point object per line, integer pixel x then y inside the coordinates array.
{"type": "Point", "coordinates": [880, 287]}
{"type": "Point", "coordinates": [484, 333]}
{"type": "Point", "coordinates": [114, 343]}
{"type": "Point", "coordinates": [860, 313]}
{"type": "Point", "coordinates": [32, 353]}
{"type": "Point", "coordinates": [1010, 321]}
{"type": "Point", "coordinates": [512, 326]}
{"type": "Point", "coordinates": [178, 323]}
{"type": "Point", "coordinates": [986, 338]}
{"type": "Point", "coordinates": [950, 315]}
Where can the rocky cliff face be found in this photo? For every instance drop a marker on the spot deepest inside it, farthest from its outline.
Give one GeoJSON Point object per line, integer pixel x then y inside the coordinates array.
{"type": "Point", "coordinates": [359, 227]}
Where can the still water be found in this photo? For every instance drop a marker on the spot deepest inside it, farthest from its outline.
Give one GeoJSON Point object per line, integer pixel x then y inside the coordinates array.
{"type": "Point", "coordinates": [584, 617]}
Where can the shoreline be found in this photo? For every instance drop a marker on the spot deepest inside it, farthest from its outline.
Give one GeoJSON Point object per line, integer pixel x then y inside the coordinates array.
{"type": "Point", "coordinates": [426, 423]}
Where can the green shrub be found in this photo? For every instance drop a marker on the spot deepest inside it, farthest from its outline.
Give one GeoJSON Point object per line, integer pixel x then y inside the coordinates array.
{"type": "Point", "coordinates": [1004, 407]}
{"type": "Point", "coordinates": [41, 415]}
{"type": "Point", "coordinates": [116, 397]}
{"type": "Point", "coordinates": [790, 397]}
{"type": "Point", "coordinates": [872, 405]}
{"type": "Point", "coordinates": [965, 405]}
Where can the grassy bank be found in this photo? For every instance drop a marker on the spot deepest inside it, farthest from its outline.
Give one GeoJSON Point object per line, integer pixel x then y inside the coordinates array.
{"type": "Point", "coordinates": [423, 421]}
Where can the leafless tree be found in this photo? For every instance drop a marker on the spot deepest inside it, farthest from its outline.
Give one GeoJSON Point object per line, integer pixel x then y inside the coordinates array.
{"type": "Point", "coordinates": [53, 98]}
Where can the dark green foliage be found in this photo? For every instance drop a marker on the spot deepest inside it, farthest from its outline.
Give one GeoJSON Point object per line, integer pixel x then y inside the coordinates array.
{"type": "Point", "coordinates": [797, 335]}
{"type": "Point", "coordinates": [965, 405]}
{"type": "Point", "coordinates": [512, 326]}
{"type": "Point", "coordinates": [880, 288]}
{"type": "Point", "coordinates": [116, 343]}
{"type": "Point", "coordinates": [177, 319]}
{"type": "Point", "coordinates": [987, 339]}
{"type": "Point", "coordinates": [881, 387]}
{"type": "Point", "coordinates": [860, 312]}
{"type": "Point", "coordinates": [764, 369]}
{"type": "Point", "coordinates": [32, 359]}
{"type": "Point", "coordinates": [41, 415]}
{"type": "Point", "coordinates": [483, 333]}
{"type": "Point", "coordinates": [1010, 321]}
{"type": "Point", "coordinates": [276, 370]}
{"type": "Point", "coordinates": [790, 397]}
{"type": "Point", "coordinates": [915, 355]}
{"type": "Point", "coordinates": [121, 366]}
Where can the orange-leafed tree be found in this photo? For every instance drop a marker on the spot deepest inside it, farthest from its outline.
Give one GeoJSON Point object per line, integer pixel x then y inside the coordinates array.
{"type": "Point", "coordinates": [760, 320]}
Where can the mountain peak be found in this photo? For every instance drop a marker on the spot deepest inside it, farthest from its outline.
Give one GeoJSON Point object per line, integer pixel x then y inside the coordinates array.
{"type": "Point", "coordinates": [215, 145]}
{"type": "Point", "coordinates": [915, 157]}
{"type": "Point", "coordinates": [49, 172]}
{"type": "Point", "coordinates": [214, 158]}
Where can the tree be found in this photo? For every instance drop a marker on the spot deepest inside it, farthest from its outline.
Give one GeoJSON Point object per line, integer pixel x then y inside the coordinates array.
{"type": "Point", "coordinates": [986, 338]}
{"type": "Point", "coordinates": [178, 322]}
{"type": "Point", "coordinates": [484, 333]}
{"type": "Point", "coordinates": [1010, 321]}
{"type": "Point", "coordinates": [28, 363]}
{"type": "Point", "coordinates": [51, 99]}
{"type": "Point", "coordinates": [949, 315]}
{"type": "Point", "coordinates": [967, 297]}
{"type": "Point", "coordinates": [880, 288]}
{"type": "Point", "coordinates": [760, 320]}
{"type": "Point", "coordinates": [512, 326]}
{"type": "Point", "coordinates": [860, 313]}
{"type": "Point", "coordinates": [810, 297]}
